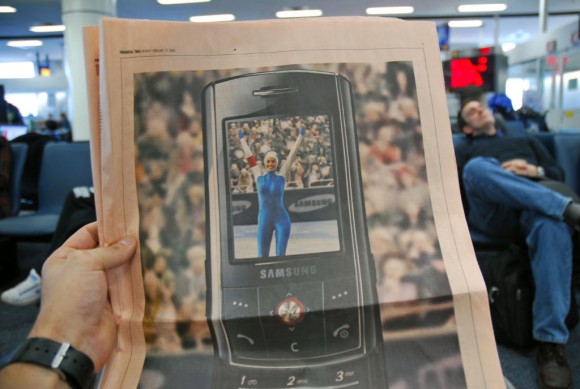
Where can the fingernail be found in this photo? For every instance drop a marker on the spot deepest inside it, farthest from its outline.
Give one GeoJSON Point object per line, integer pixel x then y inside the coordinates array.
{"type": "Point", "coordinates": [127, 241]}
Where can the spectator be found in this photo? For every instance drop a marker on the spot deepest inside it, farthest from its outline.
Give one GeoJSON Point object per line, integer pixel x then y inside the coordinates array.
{"type": "Point", "coordinates": [505, 200]}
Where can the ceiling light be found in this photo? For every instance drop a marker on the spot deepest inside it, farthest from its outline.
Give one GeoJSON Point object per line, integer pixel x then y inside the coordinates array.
{"type": "Point", "coordinates": [5, 9]}
{"type": "Point", "coordinates": [17, 70]}
{"type": "Point", "coordinates": [482, 8]}
{"type": "Point", "coordinates": [508, 46]}
{"type": "Point", "coordinates": [172, 2]}
{"type": "Point", "coordinates": [212, 18]}
{"type": "Point", "coordinates": [390, 10]}
{"type": "Point", "coordinates": [24, 43]}
{"type": "Point", "coordinates": [299, 13]}
{"type": "Point", "coordinates": [48, 28]}
{"type": "Point", "coordinates": [465, 23]}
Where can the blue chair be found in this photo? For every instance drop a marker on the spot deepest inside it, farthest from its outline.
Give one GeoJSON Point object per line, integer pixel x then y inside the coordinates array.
{"type": "Point", "coordinates": [567, 150]}
{"type": "Point", "coordinates": [19, 152]}
{"type": "Point", "coordinates": [515, 128]}
{"type": "Point", "coordinates": [64, 166]}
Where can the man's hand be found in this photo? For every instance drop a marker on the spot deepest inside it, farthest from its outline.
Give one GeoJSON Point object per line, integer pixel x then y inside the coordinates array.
{"type": "Point", "coordinates": [520, 167]}
{"type": "Point", "coordinates": [74, 304]}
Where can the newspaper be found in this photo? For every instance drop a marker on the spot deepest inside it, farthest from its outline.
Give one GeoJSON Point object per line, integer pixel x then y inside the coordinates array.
{"type": "Point", "coordinates": [162, 103]}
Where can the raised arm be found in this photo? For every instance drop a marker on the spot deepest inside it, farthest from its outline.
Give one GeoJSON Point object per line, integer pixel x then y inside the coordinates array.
{"type": "Point", "coordinates": [250, 158]}
{"type": "Point", "coordinates": [286, 167]}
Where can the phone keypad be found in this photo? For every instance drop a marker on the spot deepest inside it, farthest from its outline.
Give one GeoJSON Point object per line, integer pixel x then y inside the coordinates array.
{"type": "Point", "coordinates": [293, 321]}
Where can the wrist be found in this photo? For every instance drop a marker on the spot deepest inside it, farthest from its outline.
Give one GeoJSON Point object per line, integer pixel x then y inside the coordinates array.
{"type": "Point", "coordinates": [540, 172]}
{"type": "Point", "coordinates": [26, 375]}
{"type": "Point", "coordinates": [62, 333]}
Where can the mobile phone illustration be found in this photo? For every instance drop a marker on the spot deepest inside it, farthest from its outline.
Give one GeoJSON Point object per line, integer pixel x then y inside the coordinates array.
{"type": "Point", "coordinates": [291, 283]}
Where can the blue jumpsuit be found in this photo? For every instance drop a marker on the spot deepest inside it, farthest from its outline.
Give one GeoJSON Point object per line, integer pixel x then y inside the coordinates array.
{"type": "Point", "coordinates": [272, 214]}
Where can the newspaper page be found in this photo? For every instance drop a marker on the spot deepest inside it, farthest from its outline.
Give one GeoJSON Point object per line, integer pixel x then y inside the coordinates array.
{"type": "Point", "coordinates": [294, 190]}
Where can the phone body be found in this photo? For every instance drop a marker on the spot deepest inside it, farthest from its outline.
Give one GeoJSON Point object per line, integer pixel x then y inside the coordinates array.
{"type": "Point", "coordinates": [307, 317]}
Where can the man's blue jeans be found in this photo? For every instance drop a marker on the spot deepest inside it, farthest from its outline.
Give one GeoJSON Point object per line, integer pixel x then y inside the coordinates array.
{"type": "Point", "coordinates": [505, 205]}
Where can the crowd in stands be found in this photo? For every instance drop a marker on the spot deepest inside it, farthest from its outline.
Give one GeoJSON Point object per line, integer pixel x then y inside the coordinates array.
{"type": "Point", "coordinates": [170, 186]}
{"type": "Point", "coordinates": [312, 165]}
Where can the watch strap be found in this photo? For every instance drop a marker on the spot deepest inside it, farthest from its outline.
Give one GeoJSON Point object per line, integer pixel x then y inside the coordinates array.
{"type": "Point", "coordinates": [69, 363]}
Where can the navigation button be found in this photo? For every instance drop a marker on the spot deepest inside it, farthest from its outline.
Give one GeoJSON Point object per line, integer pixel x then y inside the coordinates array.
{"type": "Point", "coordinates": [290, 311]}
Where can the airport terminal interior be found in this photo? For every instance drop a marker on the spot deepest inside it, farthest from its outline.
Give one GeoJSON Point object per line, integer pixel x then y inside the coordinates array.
{"type": "Point", "coordinates": [519, 58]}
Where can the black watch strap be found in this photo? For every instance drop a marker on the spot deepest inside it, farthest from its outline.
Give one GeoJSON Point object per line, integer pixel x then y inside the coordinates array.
{"type": "Point", "coordinates": [76, 367]}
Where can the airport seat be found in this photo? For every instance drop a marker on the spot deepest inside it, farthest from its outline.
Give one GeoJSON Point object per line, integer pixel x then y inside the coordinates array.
{"type": "Point", "coordinates": [19, 152]}
{"type": "Point", "coordinates": [64, 166]}
{"type": "Point", "coordinates": [515, 128]}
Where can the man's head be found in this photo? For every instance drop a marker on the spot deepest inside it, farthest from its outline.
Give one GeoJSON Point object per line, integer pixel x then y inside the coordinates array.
{"type": "Point", "coordinates": [474, 119]}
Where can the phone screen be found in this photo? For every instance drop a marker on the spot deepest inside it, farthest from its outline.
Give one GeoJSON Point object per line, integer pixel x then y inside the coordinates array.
{"type": "Point", "coordinates": [289, 198]}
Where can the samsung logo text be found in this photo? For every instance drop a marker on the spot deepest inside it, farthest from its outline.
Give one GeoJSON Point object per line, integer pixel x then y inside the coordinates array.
{"type": "Point", "coordinates": [312, 203]}
{"type": "Point", "coordinates": [283, 272]}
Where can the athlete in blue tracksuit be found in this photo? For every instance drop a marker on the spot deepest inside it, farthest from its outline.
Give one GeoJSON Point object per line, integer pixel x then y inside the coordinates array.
{"type": "Point", "coordinates": [272, 215]}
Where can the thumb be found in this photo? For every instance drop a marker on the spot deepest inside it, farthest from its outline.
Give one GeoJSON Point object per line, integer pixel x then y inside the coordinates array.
{"type": "Point", "coordinates": [116, 254]}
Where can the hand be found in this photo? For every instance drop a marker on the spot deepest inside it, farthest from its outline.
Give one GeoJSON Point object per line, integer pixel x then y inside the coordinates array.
{"type": "Point", "coordinates": [241, 134]}
{"type": "Point", "coordinates": [74, 304]}
{"type": "Point", "coordinates": [520, 167]}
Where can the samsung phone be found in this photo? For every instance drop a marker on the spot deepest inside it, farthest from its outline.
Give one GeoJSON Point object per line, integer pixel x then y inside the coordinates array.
{"type": "Point", "coordinates": [303, 311]}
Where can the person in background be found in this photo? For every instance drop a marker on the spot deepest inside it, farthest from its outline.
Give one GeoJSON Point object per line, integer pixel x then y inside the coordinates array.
{"type": "Point", "coordinates": [80, 323]}
{"type": "Point", "coordinates": [9, 114]}
{"type": "Point", "coordinates": [505, 186]}
{"type": "Point", "coordinates": [5, 174]}
{"type": "Point", "coordinates": [50, 124]}
{"type": "Point", "coordinates": [64, 122]}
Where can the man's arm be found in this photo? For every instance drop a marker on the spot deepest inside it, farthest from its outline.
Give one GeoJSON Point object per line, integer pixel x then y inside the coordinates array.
{"type": "Point", "coordinates": [544, 159]}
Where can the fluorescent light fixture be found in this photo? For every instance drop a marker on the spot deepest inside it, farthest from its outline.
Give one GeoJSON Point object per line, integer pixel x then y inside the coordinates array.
{"type": "Point", "coordinates": [17, 70]}
{"type": "Point", "coordinates": [299, 13]}
{"type": "Point", "coordinates": [24, 43]}
{"type": "Point", "coordinates": [390, 10]}
{"type": "Point", "coordinates": [5, 9]}
{"type": "Point", "coordinates": [508, 46]}
{"type": "Point", "coordinates": [172, 2]}
{"type": "Point", "coordinates": [212, 18]}
{"type": "Point", "coordinates": [482, 7]}
{"type": "Point", "coordinates": [48, 28]}
{"type": "Point", "coordinates": [465, 23]}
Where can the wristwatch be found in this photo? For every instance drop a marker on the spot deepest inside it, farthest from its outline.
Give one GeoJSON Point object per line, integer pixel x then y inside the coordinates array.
{"type": "Point", "coordinates": [541, 172]}
{"type": "Point", "coordinates": [71, 365]}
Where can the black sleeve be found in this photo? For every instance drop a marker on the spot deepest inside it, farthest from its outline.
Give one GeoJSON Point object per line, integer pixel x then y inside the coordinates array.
{"type": "Point", "coordinates": [461, 158]}
{"type": "Point", "coordinates": [545, 160]}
